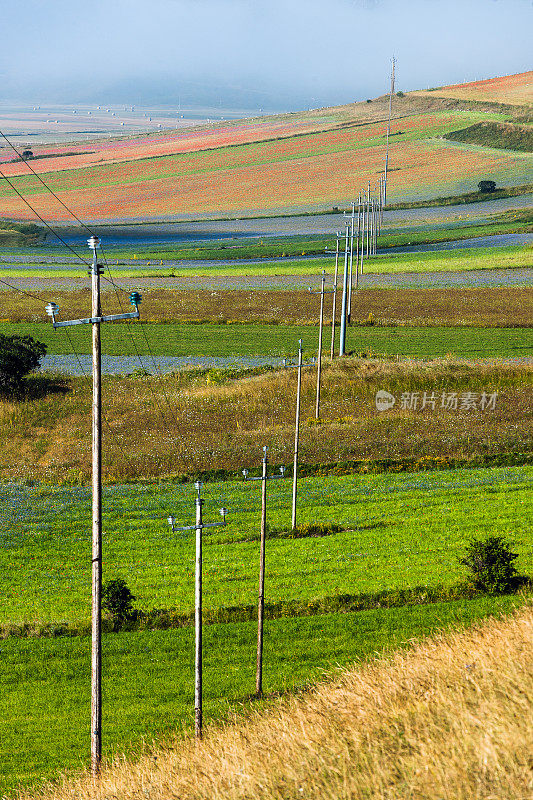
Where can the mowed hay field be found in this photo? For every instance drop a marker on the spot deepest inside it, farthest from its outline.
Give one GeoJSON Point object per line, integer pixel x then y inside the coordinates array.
{"type": "Point", "coordinates": [509, 89]}
{"type": "Point", "coordinates": [313, 171]}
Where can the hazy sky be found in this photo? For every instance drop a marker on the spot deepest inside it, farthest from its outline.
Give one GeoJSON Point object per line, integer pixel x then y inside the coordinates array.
{"type": "Point", "coordinates": [295, 52]}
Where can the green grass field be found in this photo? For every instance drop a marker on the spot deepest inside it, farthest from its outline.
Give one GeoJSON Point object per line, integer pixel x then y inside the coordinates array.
{"type": "Point", "coordinates": [174, 339]}
{"type": "Point", "coordinates": [408, 530]}
{"type": "Point", "coordinates": [148, 679]}
{"type": "Point", "coordinates": [405, 530]}
{"type": "Point", "coordinates": [294, 246]}
{"type": "Point", "coordinates": [457, 260]}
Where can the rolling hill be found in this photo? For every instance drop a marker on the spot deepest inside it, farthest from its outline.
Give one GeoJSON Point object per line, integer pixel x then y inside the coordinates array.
{"type": "Point", "coordinates": [309, 161]}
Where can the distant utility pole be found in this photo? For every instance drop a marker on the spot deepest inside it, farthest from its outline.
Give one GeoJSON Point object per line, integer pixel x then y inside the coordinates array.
{"type": "Point", "coordinates": [322, 292]}
{"type": "Point", "coordinates": [357, 248]}
{"type": "Point", "coordinates": [96, 610]}
{"type": "Point", "coordinates": [368, 221]}
{"type": "Point", "coordinates": [392, 78]}
{"type": "Point", "coordinates": [296, 437]}
{"type": "Point", "coordinates": [362, 248]}
{"type": "Point", "coordinates": [198, 527]}
{"type": "Point", "coordinates": [334, 304]}
{"type": "Point", "coordinates": [298, 366]}
{"type": "Point", "coordinates": [261, 604]}
{"type": "Point", "coordinates": [344, 308]}
{"type": "Point", "coordinates": [351, 218]}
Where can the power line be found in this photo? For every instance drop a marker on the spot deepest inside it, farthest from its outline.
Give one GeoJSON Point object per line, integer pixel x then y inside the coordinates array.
{"type": "Point", "coordinates": [45, 223]}
{"type": "Point", "coordinates": [158, 374]}
{"type": "Point", "coordinates": [45, 184]}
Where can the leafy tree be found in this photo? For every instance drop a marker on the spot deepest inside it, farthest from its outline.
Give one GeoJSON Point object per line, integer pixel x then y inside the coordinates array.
{"type": "Point", "coordinates": [487, 186]}
{"type": "Point", "coordinates": [117, 599]}
{"type": "Point", "coordinates": [18, 356]}
{"type": "Point", "coordinates": [27, 154]}
{"type": "Point", "coordinates": [400, 94]}
{"type": "Point", "coordinates": [491, 565]}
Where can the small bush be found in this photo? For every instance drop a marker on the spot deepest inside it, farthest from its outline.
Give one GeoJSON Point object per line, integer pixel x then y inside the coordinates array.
{"type": "Point", "coordinates": [487, 186]}
{"type": "Point", "coordinates": [18, 356]}
{"type": "Point", "coordinates": [400, 94]}
{"type": "Point", "coordinates": [491, 565]}
{"type": "Point", "coordinates": [117, 599]}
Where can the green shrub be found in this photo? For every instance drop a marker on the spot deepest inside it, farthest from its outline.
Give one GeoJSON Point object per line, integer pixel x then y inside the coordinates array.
{"type": "Point", "coordinates": [117, 599]}
{"type": "Point", "coordinates": [487, 186]}
{"type": "Point", "coordinates": [491, 565]}
{"type": "Point", "coordinates": [18, 356]}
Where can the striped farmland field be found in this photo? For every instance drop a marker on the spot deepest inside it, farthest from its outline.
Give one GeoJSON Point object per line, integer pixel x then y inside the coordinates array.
{"type": "Point", "coordinates": [289, 169]}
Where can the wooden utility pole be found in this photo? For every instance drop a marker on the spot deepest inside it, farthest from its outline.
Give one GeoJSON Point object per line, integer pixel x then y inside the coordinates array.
{"type": "Point", "coordinates": [363, 213]}
{"type": "Point", "coordinates": [95, 321]}
{"type": "Point", "coordinates": [261, 604]}
{"type": "Point", "coordinates": [320, 329]}
{"type": "Point", "coordinates": [368, 221]}
{"type": "Point", "coordinates": [357, 248]}
{"type": "Point", "coordinates": [351, 264]}
{"type": "Point", "coordinates": [198, 671]}
{"type": "Point", "coordinates": [262, 556]}
{"type": "Point", "coordinates": [319, 366]}
{"type": "Point", "coordinates": [198, 719]}
{"type": "Point", "coordinates": [96, 611]}
{"type": "Point", "coordinates": [296, 437]}
{"type": "Point", "coordinates": [334, 304]}
{"type": "Point", "coordinates": [344, 308]}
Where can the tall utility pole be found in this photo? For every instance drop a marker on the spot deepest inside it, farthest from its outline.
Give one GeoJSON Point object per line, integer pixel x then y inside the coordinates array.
{"type": "Point", "coordinates": [261, 604]}
{"type": "Point", "coordinates": [351, 264]}
{"type": "Point", "coordinates": [296, 437]}
{"type": "Point", "coordinates": [392, 76]}
{"type": "Point", "coordinates": [198, 720]}
{"type": "Point", "coordinates": [96, 614]}
{"type": "Point", "coordinates": [322, 292]}
{"type": "Point", "coordinates": [334, 304]}
{"type": "Point", "coordinates": [198, 671]}
{"type": "Point", "coordinates": [96, 559]}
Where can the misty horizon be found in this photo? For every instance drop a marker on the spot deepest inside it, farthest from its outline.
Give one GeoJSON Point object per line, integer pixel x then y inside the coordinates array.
{"type": "Point", "coordinates": [250, 54]}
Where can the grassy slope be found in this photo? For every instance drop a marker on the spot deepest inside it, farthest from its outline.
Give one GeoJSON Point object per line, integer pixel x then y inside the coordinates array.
{"type": "Point", "coordinates": [494, 134]}
{"type": "Point", "coordinates": [148, 678]}
{"type": "Point", "coordinates": [217, 422]}
{"type": "Point", "coordinates": [452, 718]}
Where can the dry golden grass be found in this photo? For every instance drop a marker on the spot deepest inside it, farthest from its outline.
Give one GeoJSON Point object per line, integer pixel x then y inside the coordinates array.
{"type": "Point", "coordinates": [450, 718]}
{"type": "Point", "coordinates": [190, 423]}
{"type": "Point", "coordinates": [476, 306]}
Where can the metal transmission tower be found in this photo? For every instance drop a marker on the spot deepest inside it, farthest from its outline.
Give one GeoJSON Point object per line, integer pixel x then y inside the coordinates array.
{"type": "Point", "coordinates": [96, 615]}
{"type": "Point", "coordinates": [198, 527]}
{"type": "Point", "coordinates": [392, 78]}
